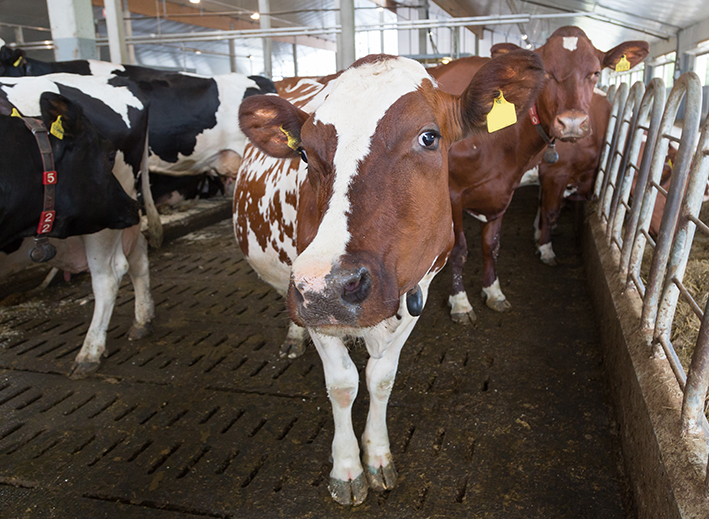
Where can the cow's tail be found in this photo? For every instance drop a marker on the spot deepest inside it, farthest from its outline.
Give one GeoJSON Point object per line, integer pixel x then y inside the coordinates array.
{"type": "Point", "coordinates": [155, 234]}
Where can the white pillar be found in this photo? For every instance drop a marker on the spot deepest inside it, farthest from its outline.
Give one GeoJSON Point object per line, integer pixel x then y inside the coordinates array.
{"type": "Point", "coordinates": [264, 6]}
{"type": "Point", "coordinates": [346, 48]}
{"type": "Point", "coordinates": [116, 27]}
{"type": "Point", "coordinates": [72, 24]}
{"type": "Point", "coordinates": [129, 33]}
{"type": "Point", "coordinates": [423, 33]}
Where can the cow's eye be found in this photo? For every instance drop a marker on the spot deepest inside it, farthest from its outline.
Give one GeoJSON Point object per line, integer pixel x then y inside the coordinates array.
{"type": "Point", "coordinates": [303, 155]}
{"type": "Point", "coordinates": [429, 139]}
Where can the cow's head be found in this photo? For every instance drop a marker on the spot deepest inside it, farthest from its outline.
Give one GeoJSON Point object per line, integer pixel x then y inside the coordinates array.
{"type": "Point", "coordinates": [377, 155]}
{"type": "Point", "coordinates": [573, 66]}
{"type": "Point", "coordinates": [12, 62]}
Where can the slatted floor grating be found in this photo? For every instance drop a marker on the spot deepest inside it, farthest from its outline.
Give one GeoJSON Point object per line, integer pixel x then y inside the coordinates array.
{"type": "Point", "coordinates": [202, 419]}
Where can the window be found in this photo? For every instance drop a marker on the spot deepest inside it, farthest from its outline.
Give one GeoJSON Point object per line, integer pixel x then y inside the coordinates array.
{"type": "Point", "coordinates": [664, 67]}
{"type": "Point", "coordinates": [701, 67]}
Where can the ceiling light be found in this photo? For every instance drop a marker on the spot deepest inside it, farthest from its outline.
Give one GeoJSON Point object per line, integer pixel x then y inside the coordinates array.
{"type": "Point", "coordinates": [380, 9]}
{"type": "Point", "coordinates": [255, 16]}
{"type": "Point", "coordinates": [198, 52]}
{"type": "Point", "coordinates": [194, 1]}
{"type": "Point", "coordinates": [529, 45]}
{"type": "Point", "coordinates": [524, 36]}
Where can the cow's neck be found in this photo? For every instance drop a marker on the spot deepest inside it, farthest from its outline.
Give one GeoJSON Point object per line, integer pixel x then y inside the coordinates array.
{"type": "Point", "coordinates": [530, 143]}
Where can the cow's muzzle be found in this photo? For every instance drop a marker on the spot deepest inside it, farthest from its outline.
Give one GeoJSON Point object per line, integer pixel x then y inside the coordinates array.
{"type": "Point", "coordinates": [572, 125]}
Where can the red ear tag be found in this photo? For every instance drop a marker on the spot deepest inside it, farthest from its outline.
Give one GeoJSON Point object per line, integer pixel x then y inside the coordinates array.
{"type": "Point", "coordinates": [46, 222]}
{"type": "Point", "coordinates": [50, 177]}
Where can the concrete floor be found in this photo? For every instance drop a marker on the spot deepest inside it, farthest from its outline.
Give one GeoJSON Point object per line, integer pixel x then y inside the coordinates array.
{"type": "Point", "coordinates": [506, 419]}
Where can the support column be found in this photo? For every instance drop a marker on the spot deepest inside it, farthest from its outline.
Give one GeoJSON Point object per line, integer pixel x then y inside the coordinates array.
{"type": "Point", "coordinates": [423, 33]}
{"type": "Point", "coordinates": [264, 6]}
{"type": "Point", "coordinates": [232, 52]}
{"type": "Point", "coordinates": [72, 24]}
{"type": "Point", "coordinates": [129, 33]}
{"type": "Point", "coordinates": [116, 27]}
{"type": "Point", "coordinates": [346, 39]}
{"type": "Point", "coordinates": [295, 57]}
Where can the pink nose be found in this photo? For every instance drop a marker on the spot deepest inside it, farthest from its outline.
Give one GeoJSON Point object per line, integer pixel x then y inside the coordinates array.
{"type": "Point", "coordinates": [571, 125]}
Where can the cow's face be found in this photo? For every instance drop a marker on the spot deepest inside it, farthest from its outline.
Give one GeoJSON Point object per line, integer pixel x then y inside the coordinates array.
{"type": "Point", "coordinates": [377, 154]}
{"type": "Point", "coordinates": [573, 66]}
{"type": "Point", "coordinates": [12, 62]}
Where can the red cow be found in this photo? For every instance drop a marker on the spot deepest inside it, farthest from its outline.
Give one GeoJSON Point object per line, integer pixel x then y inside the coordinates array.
{"type": "Point", "coordinates": [354, 238]}
{"type": "Point", "coordinates": [485, 173]}
{"type": "Point", "coordinates": [572, 177]}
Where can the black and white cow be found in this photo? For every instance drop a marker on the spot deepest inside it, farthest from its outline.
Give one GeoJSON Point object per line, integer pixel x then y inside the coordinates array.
{"type": "Point", "coordinates": [87, 198]}
{"type": "Point", "coordinates": [118, 111]}
{"type": "Point", "coordinates": [193, 119]}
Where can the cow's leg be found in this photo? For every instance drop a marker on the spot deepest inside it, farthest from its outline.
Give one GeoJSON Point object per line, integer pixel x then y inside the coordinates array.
{"type": "Point", "coordinates": [381, 373]}
{"type": "Point", "coordinates": [348, 485]}
{"type": "Point", "coordinates": [492, 293]}
{"type": "Point", "coordinates": [461, 309]}
{"type": "Point", "coordinates": [294, 345]}
{"type": "Point", "coordinates": [107, 264]}
{"type": "Point", "coordinates": [139, 271]}
{"type": "Point", "coordinates": [552, 197]}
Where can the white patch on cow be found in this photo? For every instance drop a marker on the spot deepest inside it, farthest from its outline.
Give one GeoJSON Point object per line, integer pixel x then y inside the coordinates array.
{"type": "Point", "coordinates": [570, 43]}
{"type": "Point", "coordinates": [599, 92]}
{"type": "Point", "coordinates": [104, 68]}
{"type": "Point", "coordinates": [494, 292]}
{"type": "Point", "coordinates": [570, 190]}
{"type": "Point", "coordinates": [480, 217]}
{"type": "Point", "coordinates": [225, 135]}
{"type": "Point", "coordinates": [24, 92]}
{"type": "Point", "coordinates": [530, 177]}
{"type": "Point", "coordinates": [546, 252]}
{"type": "Point", "coordinates": [358, 100]}
{"type": "Point", "coordinates": [460, 304]}
{"type": "Point", "coordinates": [537, 225]}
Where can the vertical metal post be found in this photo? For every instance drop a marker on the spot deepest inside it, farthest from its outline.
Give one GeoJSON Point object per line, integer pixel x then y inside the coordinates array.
{"type": "Point", "coordinates": [295, 57]}
{"type": "Point", "coordinates": [116, 27]}
{"type": "Point", "coordinates": [264, 7]}
{"type": "Point", "coordinates": [129, 33]}
{"type": "Point", "coordinates": [347, 35]}
{"type": "Point", "coordinates": [381, 33]}
{"type": "Point", "coordinates": [423, 33]}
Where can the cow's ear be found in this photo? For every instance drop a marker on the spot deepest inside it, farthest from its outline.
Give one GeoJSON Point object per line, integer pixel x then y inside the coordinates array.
{"type": "Point", "coordinates": [502, 48]}
{"type": "Point", "coordinates": [633, 51]}
{"type": "Point", "coordinates": [272, 124]}
{"type": "Point", "coordinates": [62, 118]}
{"type": "Point", "coordinates": [519, 75]}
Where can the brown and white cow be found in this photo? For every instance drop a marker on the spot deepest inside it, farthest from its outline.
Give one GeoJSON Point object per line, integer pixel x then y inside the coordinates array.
{"type": "Point", "coordinates": [485, 173]}
{"type": "Point", "coordinates": [355, 236]}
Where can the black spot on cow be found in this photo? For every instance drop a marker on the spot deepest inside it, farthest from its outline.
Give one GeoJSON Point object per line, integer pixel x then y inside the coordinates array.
{"type": "Point", "coordinates": [265, 85]}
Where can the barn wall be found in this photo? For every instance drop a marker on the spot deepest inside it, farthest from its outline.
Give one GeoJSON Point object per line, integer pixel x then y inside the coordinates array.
{"type": "Point", "coordinates": [666, 472]}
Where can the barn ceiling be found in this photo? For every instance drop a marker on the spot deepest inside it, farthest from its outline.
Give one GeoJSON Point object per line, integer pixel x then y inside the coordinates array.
{"type": "Point", "coordinates": [607, 23]}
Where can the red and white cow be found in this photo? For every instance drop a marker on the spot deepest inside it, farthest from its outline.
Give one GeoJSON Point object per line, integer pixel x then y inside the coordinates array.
{"type": "Point", "coordinates": [484, 174]}
{"type": "Point", "coordinates": [354, 237]}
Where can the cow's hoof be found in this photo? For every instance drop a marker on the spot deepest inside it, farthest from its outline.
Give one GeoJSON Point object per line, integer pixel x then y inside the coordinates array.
{"type": "Point", "coordinates": [83, 369]}
{"type": "Point", "coordinates": [551, 261]}
{"type": "Point", "coordinates": [464, 318]}
{"type": "Point", "coordinates": [352, 492]}
{"type": "Point", "coordinates": [292, 349]}
{"type": "Point", "coordinates": [382, 478]}
{"type": "Point", "coordinates": [139, 332]}
{"type": "Point", "coordinates": [499, 305]}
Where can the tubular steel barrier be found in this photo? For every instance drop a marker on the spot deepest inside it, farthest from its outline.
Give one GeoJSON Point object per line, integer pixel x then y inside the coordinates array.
{"type": "Point", "coordinates": [618, 100]}
{"type": "Point", "coordinates": [654, 97]}
{"type": "Point", "coordinates": [628, 225]}
{"type": "Point", "coordinates": [612, 186]}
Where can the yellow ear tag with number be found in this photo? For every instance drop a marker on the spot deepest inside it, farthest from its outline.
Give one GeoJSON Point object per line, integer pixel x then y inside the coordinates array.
{"type": "Point", "coordinates": [15, 113]}
{"type": "Point", "coordinates": [57, 129]}
{"type": "Point", "coordinates": [623, 65]}
{"type": "Point", "coordinates": [292, 141]}
{"type": "Point", "coordinates": [17, 62]}
{"type": "Point", "coordinates": [502, 114]}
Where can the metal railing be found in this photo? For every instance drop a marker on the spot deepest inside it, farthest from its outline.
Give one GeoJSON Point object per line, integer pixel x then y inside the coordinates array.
{"type": "Point", "coordinates": [627, 219]}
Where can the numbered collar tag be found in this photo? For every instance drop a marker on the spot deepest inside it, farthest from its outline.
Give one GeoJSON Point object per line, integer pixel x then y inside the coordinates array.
{"type": "Point", "coordinates": [623, 65]}
{"type": "Point", "coordinates": [502, 114]}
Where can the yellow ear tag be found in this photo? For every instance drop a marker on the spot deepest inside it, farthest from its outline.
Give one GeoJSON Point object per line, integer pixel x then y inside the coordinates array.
{"type": "Point", "coordinates": [622, 65]}
{"type": "Point", "coordinates": [17, 62]}
{"type": "Point", "coordinates": [292, 141]}
{"type": "Point", "coordinates": [57, 129]}
{"type": "Point", "coordinates": [15, 113]}
{"type": "Point", "coordinates": [502, 114]}
{"type": "Point", "coordinates": [669, 163]}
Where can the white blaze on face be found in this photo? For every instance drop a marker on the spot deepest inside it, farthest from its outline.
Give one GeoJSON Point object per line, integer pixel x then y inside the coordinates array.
{"type": "Point", "coordinates": [358, 100]}
{"type": "Point", "coordinates": [570, 43]}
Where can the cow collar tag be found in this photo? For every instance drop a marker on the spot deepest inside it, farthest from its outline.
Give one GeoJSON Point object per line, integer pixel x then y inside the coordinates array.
{"type": "Point", "coordinates": [43, 250]}
{"type": "Point", "coordinates": [414, 301]}
{"type": "Point", "coordinates": [550, 154]}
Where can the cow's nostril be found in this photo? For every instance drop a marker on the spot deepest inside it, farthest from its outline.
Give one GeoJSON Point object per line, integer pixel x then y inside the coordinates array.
{"type": "Point", "coordinates": [356, 288]}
